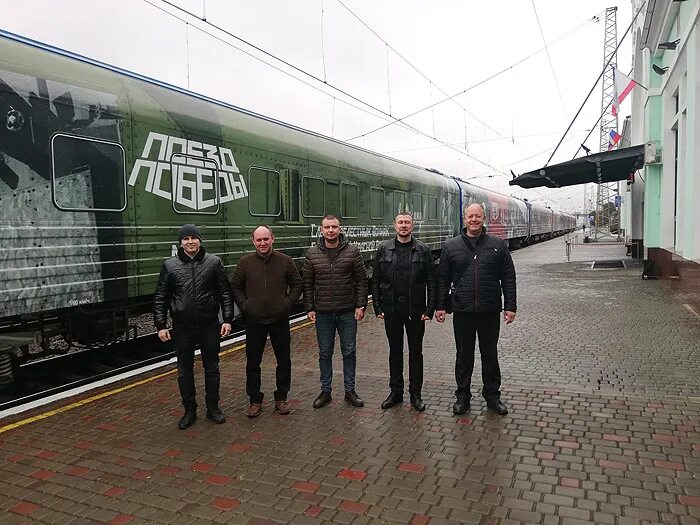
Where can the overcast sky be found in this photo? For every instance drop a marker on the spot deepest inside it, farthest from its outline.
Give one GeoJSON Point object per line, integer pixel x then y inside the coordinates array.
{"type": "Point", "coordinates": [398, 56]}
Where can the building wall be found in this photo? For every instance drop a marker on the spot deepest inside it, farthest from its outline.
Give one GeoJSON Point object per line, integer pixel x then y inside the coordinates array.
{"type": "Point", "coordinates": [671, 195]}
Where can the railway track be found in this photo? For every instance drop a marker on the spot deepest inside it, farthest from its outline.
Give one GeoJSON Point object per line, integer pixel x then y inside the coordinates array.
{"type": "Point", "coordinates": [44, 379]}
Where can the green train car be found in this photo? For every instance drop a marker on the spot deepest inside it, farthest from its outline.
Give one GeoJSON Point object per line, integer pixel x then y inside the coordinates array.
{"type": "Point", "coordinates": [99, 167]}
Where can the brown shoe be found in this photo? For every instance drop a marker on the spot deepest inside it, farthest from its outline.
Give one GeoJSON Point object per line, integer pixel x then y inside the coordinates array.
{"type": "Point", "coordinates": [282, 407]}
{"type": "Point", "coordinates": [254, 410]}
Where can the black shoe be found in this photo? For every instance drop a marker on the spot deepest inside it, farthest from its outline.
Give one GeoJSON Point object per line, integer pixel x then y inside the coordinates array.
{"type": "Point", "coordinates": [188, 419]}
{"type": "Point", "coordinates": [497, 406]}
{"type": "Point", "coordinates": [216, 415]}
{"type": "Point", "coordinates": [355, 400]}
{"type": "Point", "coordinates": [417, 403]}
{"type": "Point", "coordinates": [460, 406]}
{"type": "Point", "coordinates": [322, 400]}
{"type": "Point", "coordinates": [393, 399]}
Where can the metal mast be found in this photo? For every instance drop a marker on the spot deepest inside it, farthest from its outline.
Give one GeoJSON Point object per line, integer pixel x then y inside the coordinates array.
{"type": "Point", "coordinates": [603, 210]}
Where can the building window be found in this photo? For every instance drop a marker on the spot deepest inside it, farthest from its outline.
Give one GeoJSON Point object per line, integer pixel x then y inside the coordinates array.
{"type": "Point", "coordinates": [87, 174]}
{"type": "Point", "coordinates": [264, 192]}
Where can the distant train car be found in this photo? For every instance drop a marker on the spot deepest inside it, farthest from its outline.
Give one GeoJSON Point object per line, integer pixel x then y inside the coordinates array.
{"type": "Point", "coordinates": [100, 167]}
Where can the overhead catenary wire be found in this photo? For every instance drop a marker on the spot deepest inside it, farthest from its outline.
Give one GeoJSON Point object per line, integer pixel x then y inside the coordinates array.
{"type": "Point", "coordinates": [296, 68]}
{"type": "Point", "coordinates": [607, 63]}
{"type": "Point", "coordinates": [593, 19]}
{"type": "Point", "coordinates": [549, 57]}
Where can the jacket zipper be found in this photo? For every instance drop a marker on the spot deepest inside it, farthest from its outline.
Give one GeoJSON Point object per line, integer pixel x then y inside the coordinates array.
{"type": "Point", "coordinates": [194, 293]}
{"type": "Point", "coordinates": [476, 285]}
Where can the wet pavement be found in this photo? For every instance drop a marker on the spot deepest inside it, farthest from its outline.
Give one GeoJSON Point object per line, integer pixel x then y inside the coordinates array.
{"type": "Point", "coordinates": [600, 372]}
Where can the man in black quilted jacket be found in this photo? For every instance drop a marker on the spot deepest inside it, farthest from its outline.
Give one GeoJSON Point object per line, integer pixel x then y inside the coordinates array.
{"type": "Point", "coordinates": [335, 298]}
{"type": "Point", "coordinates": [193, 286]}
{"type": "Point", "coordinates": [475, 270]}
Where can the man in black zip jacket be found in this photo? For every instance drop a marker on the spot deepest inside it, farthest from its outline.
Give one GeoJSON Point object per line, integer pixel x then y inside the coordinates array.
{"type": "Point", "coordinates": [193, 286]}
{"type": "Point", "coordinates": [475, 269]}
{"type": "Point", "coordinates": [404, 292]}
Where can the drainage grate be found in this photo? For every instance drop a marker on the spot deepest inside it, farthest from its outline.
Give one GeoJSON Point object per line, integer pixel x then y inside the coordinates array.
{"type": "Point", "coordinates": [607, 264]}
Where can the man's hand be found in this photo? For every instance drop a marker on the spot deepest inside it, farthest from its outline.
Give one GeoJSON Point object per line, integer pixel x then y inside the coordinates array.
{"type": "Point", "coordinates": [508, 316]}
{"type": "Point", "coordinates": [311, 315]}
{"type": "Point", "coordinates": [440, 316]}
{"type": "Point", "coordinates": [381, 316]}
{"type": "Point", "coordinates": [164, 335]}
{"type": "Point", "coordinates": [225, 329]}
{"type": "Point", "coordinates": [359, 314]}
{"type": "Point", "coordinates": [424, 318]}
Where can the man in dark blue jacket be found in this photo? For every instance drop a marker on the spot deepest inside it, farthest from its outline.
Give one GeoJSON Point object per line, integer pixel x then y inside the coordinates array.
{"type": "Point", "coordinates": [193, 286]}
{"type": "Point", "coordinates": [403, 295]}
{"type": "Point", "coordinates": [476, 268]}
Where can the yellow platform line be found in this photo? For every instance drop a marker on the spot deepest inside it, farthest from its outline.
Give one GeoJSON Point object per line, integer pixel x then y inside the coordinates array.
{"type": "Point", "coordinates": [109, 393]}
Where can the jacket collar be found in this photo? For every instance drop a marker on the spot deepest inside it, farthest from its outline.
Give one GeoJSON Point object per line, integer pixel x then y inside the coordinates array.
{"type": "Point", "coordinates": [186, 258]}
{"type": "Point", "coordinates": [342, 242]}
{"type": "Point", "coordinates": [478, 239]}
{"type": "Point", "coordinates": [392, 245]}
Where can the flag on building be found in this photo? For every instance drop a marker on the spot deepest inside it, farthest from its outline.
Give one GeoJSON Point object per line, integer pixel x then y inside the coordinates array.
{"type": "Point", "coordinates": [614, 139]}
{"type": "Point", "coordinates": [623, 86]}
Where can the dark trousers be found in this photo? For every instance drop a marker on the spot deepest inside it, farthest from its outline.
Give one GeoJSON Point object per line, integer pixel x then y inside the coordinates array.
{"type": "Point", "coordinates": [185, 340]}
{"type": "Point", "coordinates": [466, 328]}
{"type": "Point", "coordinates": [255, 339]}
{"type": "Point", "coordinates": [394, 325]}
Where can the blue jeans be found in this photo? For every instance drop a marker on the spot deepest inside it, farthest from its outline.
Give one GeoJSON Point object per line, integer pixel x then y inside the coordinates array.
{"type": "Point", "coordinates": [326, 326]}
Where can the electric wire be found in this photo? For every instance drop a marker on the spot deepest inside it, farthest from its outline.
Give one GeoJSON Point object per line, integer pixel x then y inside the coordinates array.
{"type": "Point", "coordinates": [549, 57]}
{"type": "Point", "coordinates": [613, 55]}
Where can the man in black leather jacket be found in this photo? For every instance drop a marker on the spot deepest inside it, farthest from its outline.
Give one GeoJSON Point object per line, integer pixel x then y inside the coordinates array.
{"type": "Point", "coordinates": [403, 294]}
{"type": "Point", "coordinates": [193, 286]}
{"type": "Point", "coordinates": [476, 268]}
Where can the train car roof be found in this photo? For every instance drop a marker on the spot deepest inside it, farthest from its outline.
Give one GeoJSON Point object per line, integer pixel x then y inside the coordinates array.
{"type": "Point", "coordinates": [326, 148]}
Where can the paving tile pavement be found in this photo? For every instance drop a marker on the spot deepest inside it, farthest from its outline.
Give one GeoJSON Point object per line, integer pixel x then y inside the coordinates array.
{"type": "Point", "coordinates": [600, 372]}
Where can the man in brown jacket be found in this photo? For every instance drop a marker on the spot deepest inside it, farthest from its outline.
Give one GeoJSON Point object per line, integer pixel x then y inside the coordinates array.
{"type": "Point", "coordinates": [266, 284]}
{"type": "Point", "coordinates": [335, 297]}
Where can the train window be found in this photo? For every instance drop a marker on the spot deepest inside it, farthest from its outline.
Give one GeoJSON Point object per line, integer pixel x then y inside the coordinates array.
{"type": "Point", "coordinates": [194, 184]}
{"type": "Point", "coordinates": [87, 174]}
{"type": "Point", "coordinates": [332, 197]}
{"type": "Point", "coordinates": [349, 192]}
{"type": "Point", "coordinates": [399, 201]}
{"type": "Point", "coordinates": [432, 208]}
{"type": "Point", "coordinates": [376, 203]}
{"type": "Point", "coordinates": [264, 192]}
{"type": "Point", "coordinates": [418, 206]}
{"type": "Point", "coordinates": [312, 196]}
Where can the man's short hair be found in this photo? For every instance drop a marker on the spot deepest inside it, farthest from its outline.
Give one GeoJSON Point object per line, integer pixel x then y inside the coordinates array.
{"type": "Point", "coordinates": [329, 217]}
{"type": "Point", "coordinates": [252, 234]}
{"type": "Point", "coordinates": [404, 214]}
{"type": "Point", "coordinates": [483, 210]}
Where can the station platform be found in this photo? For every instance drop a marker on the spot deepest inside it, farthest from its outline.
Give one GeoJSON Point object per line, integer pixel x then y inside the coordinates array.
{"type": "Point", "coordinates": [601, 374]}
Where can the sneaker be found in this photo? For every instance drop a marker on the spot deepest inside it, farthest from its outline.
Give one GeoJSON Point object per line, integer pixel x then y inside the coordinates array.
{"type": "Point", "coordinates": [322, 400]}
{"type": "Point", "coordinates": [254, 410]}
{"type": "Point", "coordinates": [282, 407]}
{"type": "Point", "coordinates": [352, 398]}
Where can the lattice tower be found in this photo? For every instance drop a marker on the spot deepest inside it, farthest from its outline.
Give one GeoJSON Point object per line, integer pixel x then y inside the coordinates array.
{"type": "Point", "coordinates": [605, 214]}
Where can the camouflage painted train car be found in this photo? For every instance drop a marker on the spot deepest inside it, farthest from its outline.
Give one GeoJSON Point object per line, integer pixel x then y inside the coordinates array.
{"type": "Point", "coordinates": [99, 167]}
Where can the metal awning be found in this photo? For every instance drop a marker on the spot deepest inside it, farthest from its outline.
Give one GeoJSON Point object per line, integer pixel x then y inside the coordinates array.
{"type": "Point", "coordinates": [608, 166]}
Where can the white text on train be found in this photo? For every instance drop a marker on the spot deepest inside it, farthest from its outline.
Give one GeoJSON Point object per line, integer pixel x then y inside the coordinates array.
{"type": "Point", "coordinates": [175, 162]}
